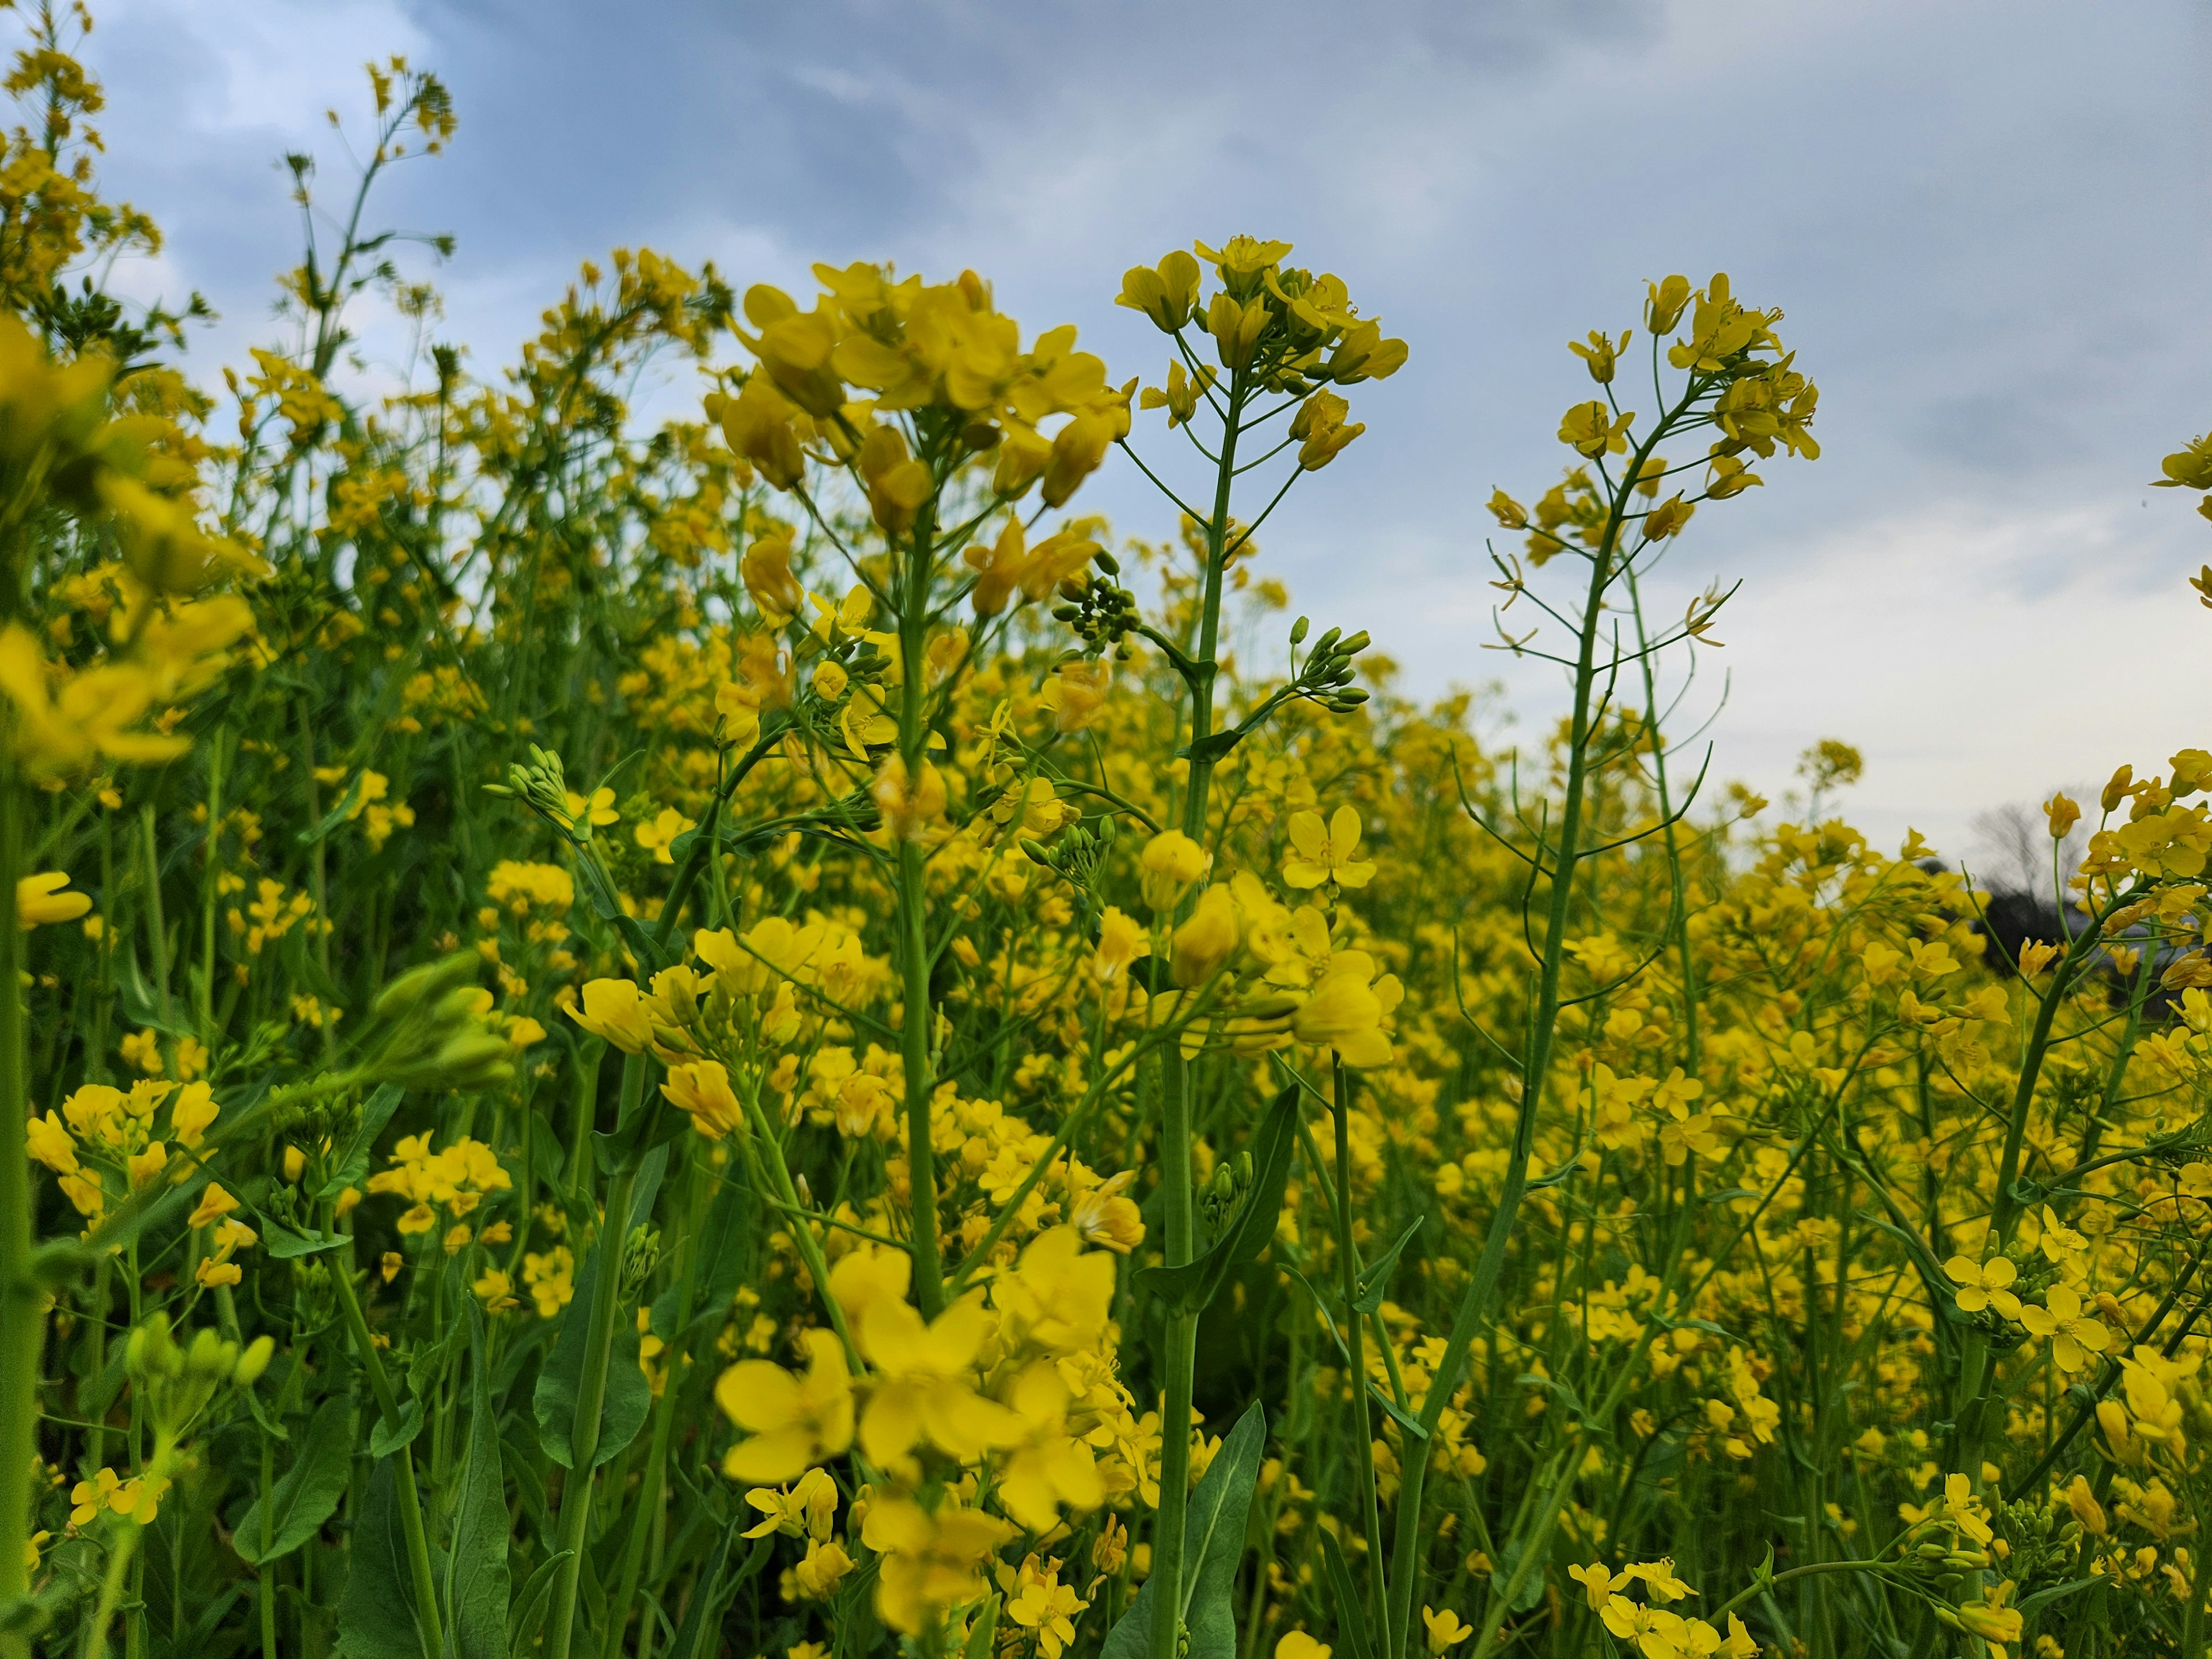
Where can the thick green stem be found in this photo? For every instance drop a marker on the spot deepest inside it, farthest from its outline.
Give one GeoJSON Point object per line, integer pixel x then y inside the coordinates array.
{"type": "Point", "coordinates": [592, 1386]}
{"type": "Point", "coordinates": [1347, 1263]}
{"type": "Point", "coordinates": [918, 1014]}
{"type": "Point", "coordinates": [1181, 1345]}
{"type": "Point", "coordinates": [22, 1304]}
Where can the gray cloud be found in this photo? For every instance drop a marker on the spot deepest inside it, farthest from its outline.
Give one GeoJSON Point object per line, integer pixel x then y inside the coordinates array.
{"type": "Point", "coordinates": [1984, 222]}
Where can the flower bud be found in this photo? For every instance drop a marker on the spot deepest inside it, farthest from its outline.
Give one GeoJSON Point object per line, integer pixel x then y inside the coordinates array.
{"type": "Point", "coordinates": [210, 1356]}
{"type": "Point", "coordinates": [1206, 941]}
{"type": "Point", "coordinates": [254, 1361]}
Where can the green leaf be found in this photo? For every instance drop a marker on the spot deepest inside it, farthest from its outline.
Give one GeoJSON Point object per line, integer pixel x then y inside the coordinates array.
{"type": "Point", "coordinates": [386, 1438]}
{"type": "Point", "coordinates": [2044, 1598]}
{"type": "Point", "coordinates": [337, 815]}
{"type": "Point", "coordinates": [141, 1003]}
{"type": "Point", "coordinates": [1376, 1279]}
{"type": "Point", "coordinates": [983, 1632]}
{"type": "Point", "coordinates": [529, 1613]}
{"type": "Point", "coordinates": [376, 1614]}
{"type": "Point", "coordinates": [475, 1571]}
{"type": "Point", "coordinates": [351, 1167]}
{"type": "Point", "coordinates": [628, 1396]}
{"type": "Point", "coordinates": [284, 1242]}
{"type": "Point", "coordinates": [546, 1158]}
{"type": "Point", "coordinates": [1192, 1287]}
{"type": "Point", "coordinates": [1350, 1616]}
{"type": "Point", "coordinates": [308, 1493]}
{"type": "Point", "coordinates": [1212, 1545]}
{"type": "Point", "coordinates": [1212, 746]}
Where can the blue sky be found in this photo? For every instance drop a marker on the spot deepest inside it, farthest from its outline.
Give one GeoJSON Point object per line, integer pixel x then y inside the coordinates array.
{"type": "Point", "coordinates": [1986, 223]}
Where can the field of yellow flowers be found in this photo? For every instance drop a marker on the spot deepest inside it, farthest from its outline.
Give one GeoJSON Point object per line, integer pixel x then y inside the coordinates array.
{"type": "Point", "coordinates": [711, 1039]}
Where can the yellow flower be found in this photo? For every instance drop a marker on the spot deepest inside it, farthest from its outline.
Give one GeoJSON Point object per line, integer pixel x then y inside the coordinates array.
{"type": "Point", "coordinates": [703, 1089]}
{"type": "Point", "coordinates": [91, 1497]}
{"type": "Point", "coordinates": [1171, 861]}
{"type": "Point", "coordinates": [1041, 1603]}
{"type": "Point", "coordinates": [808, 1507]}
{"type": "Point", "coordinates": [922, 1391]}
{"type": "Point", "coordinates": [193, 1114]}
{"type": "Point", "coordinates": [49, 1143]}
{"type": "Point", "coordinates": [1077, 695]}
{"type": "Point", "coordinates": [1050, 1467]}
{"type": "Point", "coordinates": [1201, 946]}
{"type": "Point", "coordinates": [932, 1559]}
{"type": "Point", "coordinates": [143, 1050]}
{"type": "Point", "coordinates": [1297, 1644]}
{"type": "Point", "coordinates": [1346, 1010]}
{"type": "Point", "coordinates": [214, 1205]}
{"type": "Point", "coordinates": [1445, 1630]}
{"type": "Point", "coordinates": [1598, 1583]}
{"type": "Point", "coordinates": [550, 1278]}
{"type": "Point", "coordinates": [211, 1272]}
{"type": "Point", "coordinates": [2073, 1336]}
{"type": "Point", "coordinates": [2059, 1243]}
{"type": "Point", "coordinates": [496, 1290]}
{"type": "Point", "coordinates": [1590, 430]}
{"type": "Point", "coordinates": [656, 836]}
{"type": "Point", "coordinates": [1655, 1633]}
{"type": "Point", "coordinates": [39, 900]}
{"type": "Point", "coordinates": [1122, 941]}
{"type": "Point", "coordinates": [817, 1575]}
{"type": "Point", "coordinates": [615, 1009]}
{"type": "Point", "coordinates": [794, 1422]}
{"type": "Point", "coordinates": [1328, 854]}
{"type": "Point", "coordinates": [1983, 1284]}
{"type": "Point", "coordinates": [145, 1166]}
{"type": "Point", "coordinates": [1659, 1580]}
{"type": "Point", "coordinates": [909, 807]}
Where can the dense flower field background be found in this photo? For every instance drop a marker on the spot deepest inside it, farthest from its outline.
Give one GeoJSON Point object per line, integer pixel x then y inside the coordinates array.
{"type": "Point", "coordinates": [741, 1036]}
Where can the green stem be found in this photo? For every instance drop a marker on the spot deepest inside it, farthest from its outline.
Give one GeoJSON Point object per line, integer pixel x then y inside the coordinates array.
{"type": "Point", "coordinates": [22, 1305]}
{"type": "Point", "coordinates": [120, 1561]}
{"type": "Point", "coordinates": [1348, 1261]}
{"type": "Point", "coordinates": [1543, 1022]}
{"type": "Point", "coordinates": [647, 1501]}
{"type": "Point", "coordinates": [917, 1015]}
{"type": "Point", "coordinates": [1182, 1347]}
{"type": "Point", "coordinates": [591, 1385]}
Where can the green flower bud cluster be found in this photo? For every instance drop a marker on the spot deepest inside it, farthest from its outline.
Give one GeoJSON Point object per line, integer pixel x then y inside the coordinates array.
{"type": "Point", "coordinates": [1326, 675]}
{"type": "Point", "coordinates": [1101, 612]}
{"type": "Point", "coordinates": [426, 1030]}
{"type": "Point", "coordinates": [178, 1380]}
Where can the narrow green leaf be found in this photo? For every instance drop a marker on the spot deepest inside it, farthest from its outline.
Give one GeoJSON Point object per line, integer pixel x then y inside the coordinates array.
{"type": "Point", "coordinates": [1374, 1281]}
{"type": "Point", "coordinates": [1350, 1616]}
{"type": "Point", "coordinates": [386, 1438]}
{"type": "Point", "coordinates": [307, 1493]}
{"type": "Point", "coordinates": [1192, 1287]}
{"type": "Point", "coordinates": [337, 815]}
{"type": "Point", "coordinates": [529, 1612]}
{"type": "Point", "coordinates": [476, 1570]}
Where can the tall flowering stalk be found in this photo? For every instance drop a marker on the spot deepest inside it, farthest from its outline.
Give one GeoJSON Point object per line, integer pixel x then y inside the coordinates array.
{"type": "Point", "coordinates": [1280, 337]}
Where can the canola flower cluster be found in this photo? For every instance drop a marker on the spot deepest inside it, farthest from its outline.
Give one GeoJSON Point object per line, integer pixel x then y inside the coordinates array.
{"type": "Point", "coordinates": [745, 1036]}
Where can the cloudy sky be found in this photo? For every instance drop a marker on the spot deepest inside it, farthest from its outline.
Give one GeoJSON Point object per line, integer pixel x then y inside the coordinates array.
{"type": "Point", "coordinates": [1986, 223]}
